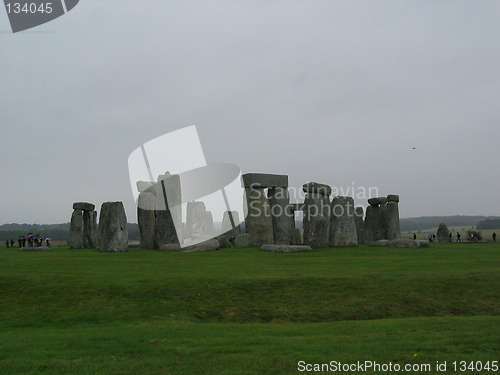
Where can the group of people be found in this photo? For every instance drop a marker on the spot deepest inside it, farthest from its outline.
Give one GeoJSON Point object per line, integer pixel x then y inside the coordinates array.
{"type": "Point", "coordinates": [432, 237]}
{"type": "Point", "coordinates": [33, 240]}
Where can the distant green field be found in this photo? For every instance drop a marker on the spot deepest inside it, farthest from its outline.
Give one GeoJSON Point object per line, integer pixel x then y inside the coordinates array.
{"type": "Point", "coordinates": [246, 311]}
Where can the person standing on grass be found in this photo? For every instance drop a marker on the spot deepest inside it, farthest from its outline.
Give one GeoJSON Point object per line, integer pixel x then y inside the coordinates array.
{"type": "Point", "coordinates": [451, 236]}
{"type": "Point", "coordinates": [414, 236]}
{"type": "Point", "coordinates": [458, 237]}
{"type": "Point", "coordinates": [7, 243]}
{"type": "Point", "coordinates": [12, 242]}
{"type": "Point", "coordinates": [494, 236]}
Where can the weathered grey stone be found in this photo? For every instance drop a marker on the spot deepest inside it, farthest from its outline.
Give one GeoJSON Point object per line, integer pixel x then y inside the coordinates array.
{"type": "Point", "coordinates": [231, 224]}
{"type": "Point", "coordinates": [242, 241]}
{"type": "Point", "coordinates": [372, 227]}
{"type": "Point", "coordinates": [392, 221]}
{"type": "Point", "coordinates": [224, 242]}
{"type": "Point", "coordinates": [169, 247]}
{"type": "Point", "coordinates": [360, 225]}
{"type": "Point", "coordinates": [343, 225]}
{"type": "Point", "coordinates": [76, 230]}
{"type": "Point", "coordinates": [134, 244]}
{"type": "Point", "coordinates": [443, 233]}
{"type": "Point", "coordinates": [168, 210]}
{"type": "Point", "coordinates": [84, 206]}
{"type": "Point", "coordinates": [296, 237]}
{"type": "Point", "coordinates": [143, 185]}
{"type": "Point", "coordinates": [146, 219]}
{"type": "Point", "coordinates": [209, 224]}
{"type": "Point", "coordinates": [315, 187]}
{"type": "Point", "coordinates": [89, 229]}
{"type": "Point", "coordinates": [316, 220]}
{"type": "Point", "coordinates": [113, 231]}
{"type": "Point", "coordinates": [282, 215]}
{"type": "Point", "coordinates": [285, 248]}
{"type": "Point", "coordinates": [382, 222]}
{"type": "Point", "coordinates": [258, 220]}
{"type": "Point", "coordinates": [403, 243]}
{"type": "Point", "coordinates": [377, 201]}
{"type": "Point", "coordinates": [263, 180]}
{"type": "Point", "coordinates": [393, 198]}
{"type": "Point", "coordinates": [195, 220]}
{"type": "Point", "coordinates": [209, 245]}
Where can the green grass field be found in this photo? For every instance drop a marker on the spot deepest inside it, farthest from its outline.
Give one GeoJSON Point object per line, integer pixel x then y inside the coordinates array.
{"type": "Point", "coordinates": [247, 311]}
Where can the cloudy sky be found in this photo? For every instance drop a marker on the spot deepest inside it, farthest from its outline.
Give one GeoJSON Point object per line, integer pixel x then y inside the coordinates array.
{"type": "Point", "coordinates": [338, 92]}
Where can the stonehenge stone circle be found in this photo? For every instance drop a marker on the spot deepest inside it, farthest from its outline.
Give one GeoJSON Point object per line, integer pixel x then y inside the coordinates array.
{"type": "Point", "coordinates": [343, 224]}
{"type": "Point", "coordinates": [113, 231]}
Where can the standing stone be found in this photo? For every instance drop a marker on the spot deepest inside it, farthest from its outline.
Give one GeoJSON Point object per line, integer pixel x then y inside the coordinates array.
{"type": "Point", "coordinates": [296, 237]}
{"type": "Point", "coordinates": [113, 231]}
{"type": "Point", "coordinates": [282, 215]}
{"type": "Point", "coordinates": [392, 220]}
{"type": "Point", "coordinates": [343, 225]}
{"type": "Point", "coordinates": [76, 230]}
{"type": "Point", "coordinates": [195, 220]}
{"type": "Point", "coordinates": [209, 224]}
{"type": "Point", "coordinates": [168, 210]}
{"type": "Point", "coordinates": [316, 218]}
{"type": "Point", "coordinates": [382, 222]}
{"type": "Point", "coordinates": [258, 220]}
{"type": "Point", "coordinates": [89, 229]}
{"type": "Point", "coordinates": [443, 233]}
{"type": "Point", "coordinates": [360, 225]}
{"type": "Point", "coordinates": [146, 220]}
{"type": "Point", "coordinates": [372, 232]}
{"type": "Point", "coordinates": [227, 225]}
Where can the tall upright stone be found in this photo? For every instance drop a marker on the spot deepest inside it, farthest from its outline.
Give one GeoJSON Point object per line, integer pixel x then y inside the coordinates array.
{"type": "Point", "coordinates": [230, 219]}
{"type": "Point", "coordinates": [443, 233]}
{"type": "Point", "coordinates": [316, 218]}
{"type": "Point", "coordinates": [76, 230]}
{"type": "Point", "coordinates": [168, 210]}
{"type": "Point", "coordinates": [360, 225]}
{"type": "Point", "coordinates": [113, 231]}
{"type": "Point", "coordinates": [89, 229]}
{"type": "Point", "coordinates": [258, 220]}
{"type": "Point", "coordinates": [195, 220]}
{"type": "Point", "coordinates": [146, 219]}
{"type": "Point", "coordinates": [372, 230]}
{"type": "Point", "coordinates": [282, 215]}
{"type": "Point", "coordinates": [343, 225]}
{"type": "Point", "coordinates": [392, 217]}
{"type": "Point", "coordinates": [209, 224]}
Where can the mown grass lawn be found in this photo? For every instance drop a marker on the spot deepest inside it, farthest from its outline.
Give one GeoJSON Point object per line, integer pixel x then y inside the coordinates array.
{"type": "Point", "coordinates": [246, 311]}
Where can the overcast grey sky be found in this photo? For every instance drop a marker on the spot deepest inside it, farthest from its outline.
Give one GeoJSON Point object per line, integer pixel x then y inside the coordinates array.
{"type": "Point", "coordinates": [337, 92]}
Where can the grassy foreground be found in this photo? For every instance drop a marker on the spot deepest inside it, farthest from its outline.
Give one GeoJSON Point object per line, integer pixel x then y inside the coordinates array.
{"type": "Point", "coordinates": [246, 311]}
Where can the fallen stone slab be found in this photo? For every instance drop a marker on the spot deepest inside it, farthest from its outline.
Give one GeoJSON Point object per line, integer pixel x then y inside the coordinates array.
{"type": "Point", "coordinates": [285, 248]}
{"type": "Point", "coordinates": [84, 206]}
{"type": "Point", "coordinates": [413, 244]}
{"type": "Point", "coordinates": [242, 241]}
{"type": "Point", "coordinates": [210, 245]}
{"type": "Point", "coordinates": [263, 180]}
{"type": "Point", "coordinates": [41, 248]}
{"type": "Point", "coordinates": [170, 247]}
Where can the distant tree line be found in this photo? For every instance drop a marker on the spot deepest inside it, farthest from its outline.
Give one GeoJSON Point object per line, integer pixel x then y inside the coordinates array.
{"type": "Point", "coordinates": [428, 222]}
{"type": "Point", "coordinates": [489, 224]}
